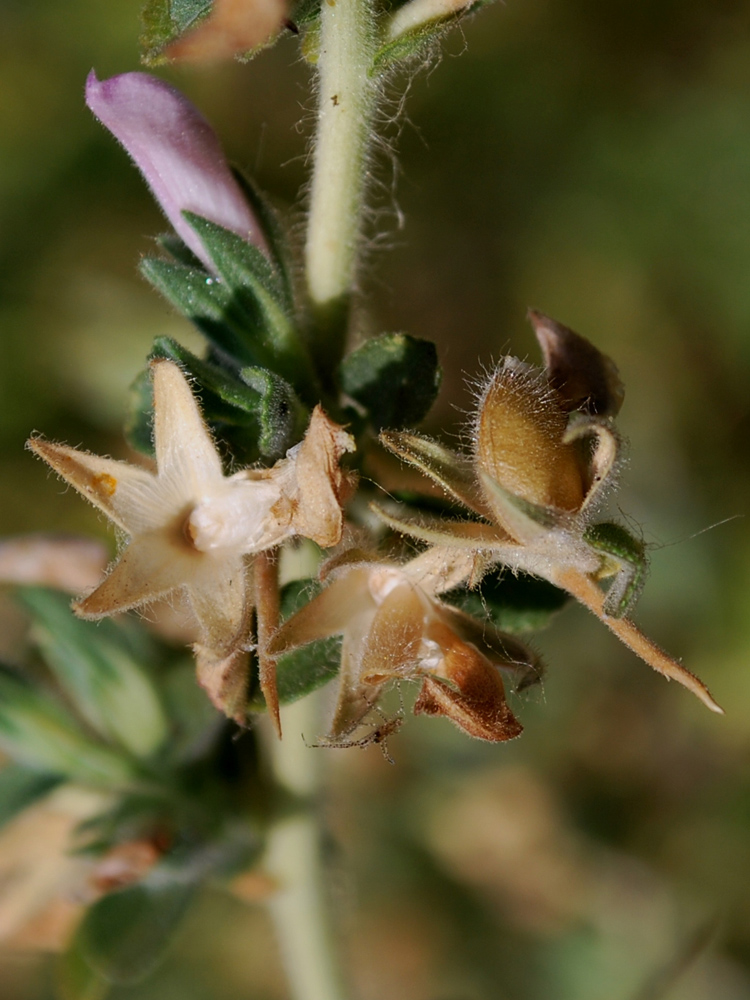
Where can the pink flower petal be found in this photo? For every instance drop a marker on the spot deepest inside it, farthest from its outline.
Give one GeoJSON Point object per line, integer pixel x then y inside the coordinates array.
{"type": "Point", "coordinates": [177, 152]}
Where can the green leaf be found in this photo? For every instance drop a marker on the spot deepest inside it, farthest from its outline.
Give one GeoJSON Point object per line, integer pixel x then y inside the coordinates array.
{"type": "Point", "coordinates": [93, 666]}
{"type": "Point", "coordinates": [211, 307]}
{"type": "Point", "coordinates": [514, 603]}
{"type": "Point", "coordinates": [395, 377]}
{"type": "Point", "coordinates": [165, 20]}
{"type": "Point", "coordinates": [38, 732]}
{"type": "Point", "coordinates": [308, 668]}
{"type": "Point", "coordinates": [178, 250]}
{"type": "Point", "coordinates": [257, 400]}
{"type": "Point", "coordinates": [125, 935]}
{"type": "Point", "coordinates": [140, 419]}
{"type": "Point", "coordinates": [20, 787]}
{"type": "Point", "coordinates": [281, 416]}
{"type": "Point", "coordinates": [258, 289]}
{"type": "Point", "coordinates": [302, 670]}
{"type": "Point", "coordinates": [75, 979]}
{"type": "Point", "coordinates": [273, 232]}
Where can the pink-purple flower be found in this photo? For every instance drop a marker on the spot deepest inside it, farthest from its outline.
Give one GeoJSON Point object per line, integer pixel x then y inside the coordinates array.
{"type": "Point", "coordinates": [177, 152]}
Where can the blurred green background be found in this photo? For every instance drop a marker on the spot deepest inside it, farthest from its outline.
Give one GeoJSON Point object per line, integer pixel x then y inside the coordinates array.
{"type": "Point", "coordinates": [591, 160]}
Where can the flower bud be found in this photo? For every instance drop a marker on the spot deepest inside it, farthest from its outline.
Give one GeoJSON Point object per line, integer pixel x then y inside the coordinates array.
{"type": "Point", "coordinates": [177, 152]}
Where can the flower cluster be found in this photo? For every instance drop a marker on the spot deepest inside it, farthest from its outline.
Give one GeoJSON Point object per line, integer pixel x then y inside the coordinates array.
{"type": "Point", "coordinates": [195, 530]}
{"type": "Point", "coordinates": [545, 451]}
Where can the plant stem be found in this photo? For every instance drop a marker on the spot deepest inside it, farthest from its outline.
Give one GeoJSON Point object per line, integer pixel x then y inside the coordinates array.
{"type": "Point", "coordinates": [346, 103]}
{"type": "Point", "coordinates": [301, 906]}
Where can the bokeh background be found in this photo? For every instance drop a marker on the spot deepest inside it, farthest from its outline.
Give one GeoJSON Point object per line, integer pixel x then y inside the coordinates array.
{"type": "Point", "coordinates": [593, 161]}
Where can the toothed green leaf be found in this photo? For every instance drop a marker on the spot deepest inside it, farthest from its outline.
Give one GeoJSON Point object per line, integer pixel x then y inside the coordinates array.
{"type": "Point", "coordinates": [281, 416]}
{"type": "Point", "coordinates": [273, 232]}
{"type": "Point", "coordinates": [212, 308]}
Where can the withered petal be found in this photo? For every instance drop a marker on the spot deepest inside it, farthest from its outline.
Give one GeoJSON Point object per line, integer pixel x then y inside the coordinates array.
{"type": "Point", "coordinates": [220, 595]}
{"type": "Point", "coordinates": [584, 378]}
{"type": "Point", "coordinates": [355, 698]}
{"type": "Point", "coordinates": [603, 462]}
{"type": "Point", "coordinates": [225, 680]}
{"type": "Point", "coordinates": [469, 691]}
{"type": "Point", "coordinates": [500, 648]}
{"type": "Point", "coordinates": [442, 568]}
{"type": "Point", "coordinates": [327, 614]}
{"type": "Point", "coordinates": [322, 484]}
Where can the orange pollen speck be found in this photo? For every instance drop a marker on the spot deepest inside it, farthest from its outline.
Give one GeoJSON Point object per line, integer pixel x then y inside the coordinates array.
{"type": "Point", "coordinates": [104, 483]}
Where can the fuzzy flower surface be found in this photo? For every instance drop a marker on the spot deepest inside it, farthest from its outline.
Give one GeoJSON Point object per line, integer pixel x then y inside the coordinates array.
{"type": "Point", "coordinates": [545, 452]}
{"type": "Point", "coordinates": [177, 152]}
{"type": "Point", "coordinates": [193, 529]}
{"type": "Point", "coordinates": [394, 627]}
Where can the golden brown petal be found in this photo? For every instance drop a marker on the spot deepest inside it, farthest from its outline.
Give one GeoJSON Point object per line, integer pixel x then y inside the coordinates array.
{"type": "Point", "coordinates": [395, 635]}
{"type": "Point", "coordinates": [520, 440]}
{"type": "Point", "coordinates": [466, 689]}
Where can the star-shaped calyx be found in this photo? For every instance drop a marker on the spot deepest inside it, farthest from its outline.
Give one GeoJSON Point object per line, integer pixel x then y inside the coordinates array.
{"type": "Point", "coordinates": [195, 530]}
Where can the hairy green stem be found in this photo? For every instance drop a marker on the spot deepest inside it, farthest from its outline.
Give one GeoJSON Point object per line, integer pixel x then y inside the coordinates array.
{"type": "Point", "coordinates": [300, 907]}
{"type": "Point", "coordinates": [347, 95]}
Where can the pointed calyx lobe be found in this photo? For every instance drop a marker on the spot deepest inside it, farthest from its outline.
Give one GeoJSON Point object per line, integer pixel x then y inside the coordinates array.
{"type": "Point", "coordinates": [545, 452]}
{"type": "Point", "coordinates": [196, 531]}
